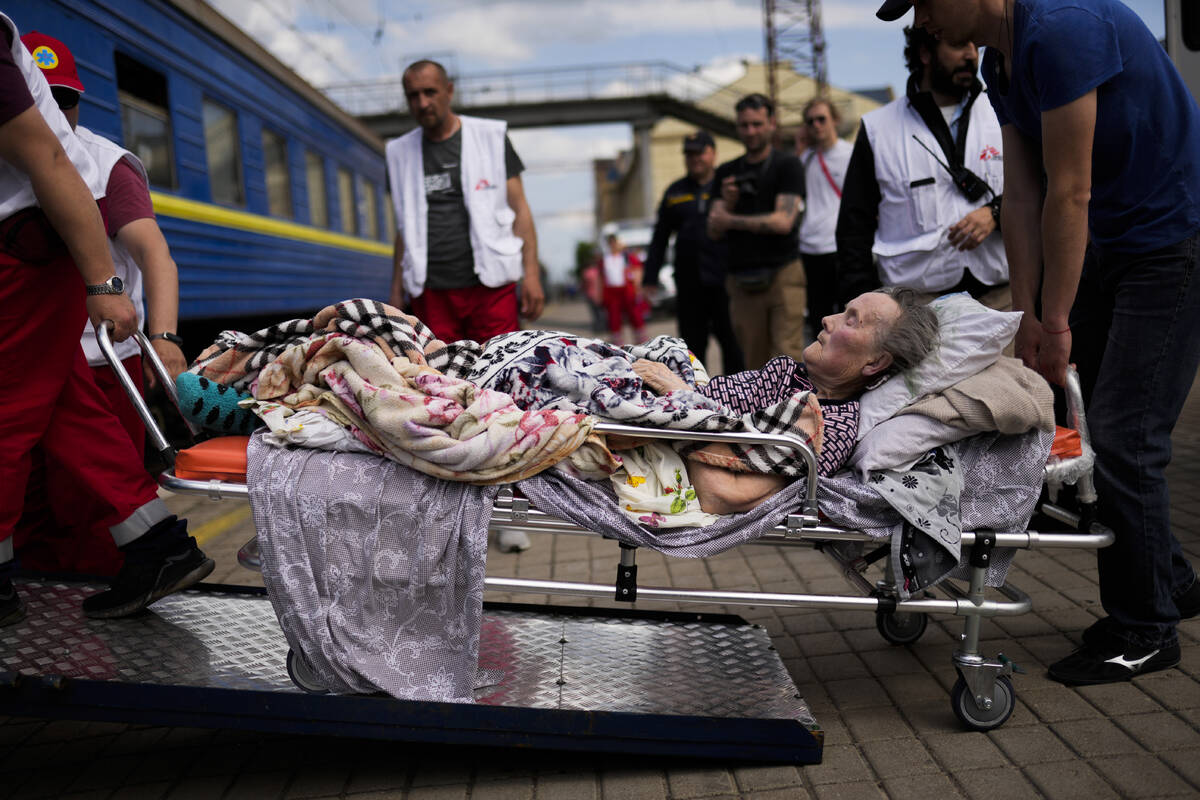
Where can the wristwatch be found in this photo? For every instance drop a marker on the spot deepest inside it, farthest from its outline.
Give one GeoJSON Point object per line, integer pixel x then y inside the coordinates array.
{"type": "Point", "coordinates": [113, 285]}
{"type": "Point", "coordinates": [173, 338]}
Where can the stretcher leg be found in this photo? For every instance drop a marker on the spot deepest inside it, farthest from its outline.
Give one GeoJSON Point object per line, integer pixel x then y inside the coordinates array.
{"type": "Point", "coordinates": [983, 697]}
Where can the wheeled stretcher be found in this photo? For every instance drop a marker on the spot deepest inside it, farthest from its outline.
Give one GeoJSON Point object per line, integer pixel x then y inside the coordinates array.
{"type": "Point", "coordinates": [734, 698]}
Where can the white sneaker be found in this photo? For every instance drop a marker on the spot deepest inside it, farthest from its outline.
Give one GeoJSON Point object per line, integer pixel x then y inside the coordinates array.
{"type": "Point", "coordinates": [510, 541]}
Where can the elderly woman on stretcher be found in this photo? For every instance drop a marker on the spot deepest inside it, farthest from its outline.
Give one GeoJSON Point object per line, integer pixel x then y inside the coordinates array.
{"type": "Point", "coordinates": [879, 334]}
{"type": "Point", "coordinates": [361, 376]}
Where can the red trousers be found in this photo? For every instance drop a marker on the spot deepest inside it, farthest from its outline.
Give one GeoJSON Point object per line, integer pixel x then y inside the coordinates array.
{"type": "Point", "coordinates": [622, 301]}
{"type": "Point", "coordinates": [50, 399]}
{"type": "Point", "coordinates": [476, 312]}
{"type": "Point", "coordinates": [58, 532]}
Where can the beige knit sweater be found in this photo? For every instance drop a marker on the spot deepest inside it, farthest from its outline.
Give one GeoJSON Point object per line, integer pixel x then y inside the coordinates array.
{"type": "Point", "coordinates": [1007, 397]}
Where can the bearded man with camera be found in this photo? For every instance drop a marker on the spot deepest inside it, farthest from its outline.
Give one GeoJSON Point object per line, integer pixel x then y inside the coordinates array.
{"type": "Point", "coordinates": [924, 184]}
{"type": "Point", "coordinates": [758, 213]}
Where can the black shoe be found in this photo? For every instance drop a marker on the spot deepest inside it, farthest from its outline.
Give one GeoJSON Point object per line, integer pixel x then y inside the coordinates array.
{"type": "Point", "coordinates": [12, 608]}
{"type": "Point", "coordinates": [147, 577]}
{"type": "Point", "coordinates": [1091, 665]}
{"type": "Point", "coordinates": [1188, 601]}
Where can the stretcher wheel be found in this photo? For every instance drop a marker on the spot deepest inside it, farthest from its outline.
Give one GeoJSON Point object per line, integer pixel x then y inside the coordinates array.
{"type": "Point", "coordinates": [901, 627]}
{"type": "Point", "coordinates": [971, 715]}
{"type": "Point", "coordinates": [302, 675]}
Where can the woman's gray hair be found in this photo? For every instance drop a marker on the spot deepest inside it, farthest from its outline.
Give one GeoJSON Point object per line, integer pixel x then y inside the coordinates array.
{"type": "Point", "coordinates": [913, 335]}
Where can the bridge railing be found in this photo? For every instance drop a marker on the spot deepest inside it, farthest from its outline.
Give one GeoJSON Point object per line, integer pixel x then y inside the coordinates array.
{"type": "Point", "coordinates": [526, 87]}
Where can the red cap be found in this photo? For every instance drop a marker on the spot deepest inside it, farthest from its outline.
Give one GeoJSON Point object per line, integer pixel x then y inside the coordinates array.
{"type": "Point", "coordinates": [56, 61]}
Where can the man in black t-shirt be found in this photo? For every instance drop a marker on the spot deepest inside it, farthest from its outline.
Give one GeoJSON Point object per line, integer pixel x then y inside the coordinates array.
{"type": "Point", "coordinates": [758, 214]}
{"type": "Point", "coordinates": [468, 288]}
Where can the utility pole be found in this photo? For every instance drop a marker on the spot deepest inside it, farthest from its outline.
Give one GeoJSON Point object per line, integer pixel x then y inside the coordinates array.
{"type": "Point", "coordinates": [792, 32]}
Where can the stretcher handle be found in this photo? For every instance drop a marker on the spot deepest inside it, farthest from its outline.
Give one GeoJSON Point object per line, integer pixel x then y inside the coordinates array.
{"type": "Point", "coordinates": [104, 340]}
{"type": "Point", "coordinates": [729, 437]}
{"type": "Point", "coordinates": [1076, 415]}
{"type": "Point", "coordinates": [1077, 418]}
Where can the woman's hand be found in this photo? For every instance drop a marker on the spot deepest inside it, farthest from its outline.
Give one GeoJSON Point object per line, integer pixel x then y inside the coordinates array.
{"type": "Point", "coordinates": [658, 376]}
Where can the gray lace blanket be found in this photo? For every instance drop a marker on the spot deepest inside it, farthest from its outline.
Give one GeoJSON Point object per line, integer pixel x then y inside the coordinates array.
{"type": "Point", "coordinates": [375, 571]}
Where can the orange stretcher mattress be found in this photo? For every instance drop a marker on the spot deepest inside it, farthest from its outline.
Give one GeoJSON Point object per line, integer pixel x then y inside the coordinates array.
{"type": "Point", "coordinates": [224, 458]}
{"type": "Point", "coordinates": [1067, 443]}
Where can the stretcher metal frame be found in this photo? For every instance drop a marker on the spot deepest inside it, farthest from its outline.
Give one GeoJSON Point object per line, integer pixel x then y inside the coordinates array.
{"type": "Point", "coordinates": [982, 697]}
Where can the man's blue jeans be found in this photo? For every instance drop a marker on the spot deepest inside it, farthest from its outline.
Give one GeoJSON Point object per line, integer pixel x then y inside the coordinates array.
{"type": "Point", "coordinates": [1136, 334]}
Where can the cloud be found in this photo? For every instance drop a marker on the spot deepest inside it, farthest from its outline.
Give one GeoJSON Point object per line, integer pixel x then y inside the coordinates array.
{"type": "Point", "coordinates": [512, 32]}
{"type": "Point", "coordinates": [851, 15]}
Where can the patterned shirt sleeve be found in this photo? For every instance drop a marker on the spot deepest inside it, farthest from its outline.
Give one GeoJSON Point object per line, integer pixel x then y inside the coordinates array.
{"type": "Point", "coordinates": [754, 389]}
{"type": "Point", "coordinates": [841, 433]}
{"type": "Point", "coordinates": [781, 377]}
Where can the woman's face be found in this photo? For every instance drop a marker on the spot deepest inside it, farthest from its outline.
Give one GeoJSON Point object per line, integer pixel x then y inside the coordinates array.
{"type": "Point", "coordinates": [846, 353]}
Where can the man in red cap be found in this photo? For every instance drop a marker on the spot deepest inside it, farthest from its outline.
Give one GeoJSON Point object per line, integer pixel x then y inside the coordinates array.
{"type": "Point", "coordinates": [51, 399]}
{"type": "Point", "coordinates": [60, 530]}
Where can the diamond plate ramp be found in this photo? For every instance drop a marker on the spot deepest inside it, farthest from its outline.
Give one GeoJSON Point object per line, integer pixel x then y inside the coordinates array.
{"type": "Point", "coordinates": [559, 678]}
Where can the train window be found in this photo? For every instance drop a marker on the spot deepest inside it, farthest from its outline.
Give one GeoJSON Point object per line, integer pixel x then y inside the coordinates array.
{"type": "Point", "coordinates": [349, 209]}
{"type": "Point", "coordinates": [275, 165]}
{"type": "Point", "coordinates": [145, 120]}
{"type": "Point", "coordinates": [224, 156]}
{"type": "Point", "coordinates": [370, 209]}
{"type": "Point", "coordinates": [318, 206]}
{"type": "Point", "coordinates": [389, 213]}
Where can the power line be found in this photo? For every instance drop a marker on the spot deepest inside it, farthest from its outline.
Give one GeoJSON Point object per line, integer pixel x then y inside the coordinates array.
{"type": "Point", "coordinates": [333, 62]}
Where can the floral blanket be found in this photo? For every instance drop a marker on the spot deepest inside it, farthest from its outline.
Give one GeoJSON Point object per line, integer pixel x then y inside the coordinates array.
{"type": "Point", "coordinates": [366, 367]}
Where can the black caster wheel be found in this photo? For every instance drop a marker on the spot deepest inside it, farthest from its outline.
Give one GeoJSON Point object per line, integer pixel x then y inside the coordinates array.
{"type": "Point", "coordinates": [983, 719]}
{"type": "Point", "coordinates": [901, 627]}
{"type": "Point", "coordinates": [302, 675]}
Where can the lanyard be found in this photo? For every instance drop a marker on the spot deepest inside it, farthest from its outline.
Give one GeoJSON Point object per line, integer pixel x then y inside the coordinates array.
{"type": "Point", "coordinates": [828, 177]}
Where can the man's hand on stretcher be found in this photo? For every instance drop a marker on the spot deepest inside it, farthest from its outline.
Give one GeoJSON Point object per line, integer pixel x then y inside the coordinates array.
{"type": "Point", "coordinates": [658, 376]}
{"type": "Point", "coordinates": [115, 307]}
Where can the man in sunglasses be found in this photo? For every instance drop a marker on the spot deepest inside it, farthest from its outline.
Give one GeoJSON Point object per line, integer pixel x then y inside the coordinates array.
{"type": "Point", "coordinates": [825, 158]}
{"type": "Point", "coordinates": [923, 188]}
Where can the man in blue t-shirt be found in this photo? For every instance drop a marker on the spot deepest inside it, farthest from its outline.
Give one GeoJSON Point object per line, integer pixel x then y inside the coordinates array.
{"type": "Point", "coordinates": [1089, 101]}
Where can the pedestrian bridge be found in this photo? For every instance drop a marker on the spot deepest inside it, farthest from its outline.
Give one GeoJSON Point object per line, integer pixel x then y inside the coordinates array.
{"type": "Point", "coordinates": [637, 93]}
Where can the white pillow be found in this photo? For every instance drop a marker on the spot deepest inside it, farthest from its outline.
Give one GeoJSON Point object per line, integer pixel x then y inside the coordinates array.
{"type": "Point", "coordinates": [900, 442]}
{"type": "Point", "coordinates": [971, 336]}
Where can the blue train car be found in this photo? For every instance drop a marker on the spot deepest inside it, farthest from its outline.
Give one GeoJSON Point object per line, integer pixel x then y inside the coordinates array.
{"type": "Point", "coordinates": [272, 199]}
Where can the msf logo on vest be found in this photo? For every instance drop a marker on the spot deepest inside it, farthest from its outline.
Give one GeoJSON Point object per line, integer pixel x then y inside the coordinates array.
{"type": "Point", "coordinates": [990, 153]}
{"type": "Point", "coordinates": [484, 183]}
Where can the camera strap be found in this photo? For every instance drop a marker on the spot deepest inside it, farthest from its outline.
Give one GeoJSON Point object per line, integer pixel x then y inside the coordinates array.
{"type": "Point", "coordinates": [960, 175]}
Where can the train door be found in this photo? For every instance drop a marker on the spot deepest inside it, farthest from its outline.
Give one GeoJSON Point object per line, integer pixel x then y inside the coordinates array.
{"type": "Point", "coordinates": [1183, 40]}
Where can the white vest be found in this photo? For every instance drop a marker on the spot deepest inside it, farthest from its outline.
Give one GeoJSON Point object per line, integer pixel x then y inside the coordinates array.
{"type": "Point", "coordinates": [16, 192]}
{"type": "Point", "coordinates": [496, 249]}
{"type": "Point", "coordinates": [910, 240]}
{"type": "Point", "coordinates": [106, 155]}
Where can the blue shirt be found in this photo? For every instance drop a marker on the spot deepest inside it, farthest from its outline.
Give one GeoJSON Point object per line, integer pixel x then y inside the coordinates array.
{"type": "Point", "coordinates": [1146, 152]}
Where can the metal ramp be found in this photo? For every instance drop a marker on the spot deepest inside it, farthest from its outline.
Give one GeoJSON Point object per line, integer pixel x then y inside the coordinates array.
{"type": "Point", "coordinates": [694, 685]}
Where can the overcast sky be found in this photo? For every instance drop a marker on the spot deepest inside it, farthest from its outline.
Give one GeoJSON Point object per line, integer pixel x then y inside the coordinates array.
{"type": "Point", "coordinates": [336, 41]}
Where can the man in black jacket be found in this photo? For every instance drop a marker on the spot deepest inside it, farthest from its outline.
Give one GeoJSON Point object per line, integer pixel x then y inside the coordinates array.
{"type": "Point", "coordinates": [924, 184]}
{"type": "Point", "coordinates": [701, 303]}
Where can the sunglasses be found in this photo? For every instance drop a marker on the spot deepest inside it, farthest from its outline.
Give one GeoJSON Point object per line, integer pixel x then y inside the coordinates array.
{"type": "Point", "coordinates": [65, 97]}
{"type": "Point", "coordinates": [815, 120]}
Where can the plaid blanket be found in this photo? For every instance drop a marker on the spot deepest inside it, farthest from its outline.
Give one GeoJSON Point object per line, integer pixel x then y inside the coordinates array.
{"type": "Point", "coordinates": [548, 372]}
{"type": "Point", "coordinates": [554, 370]}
